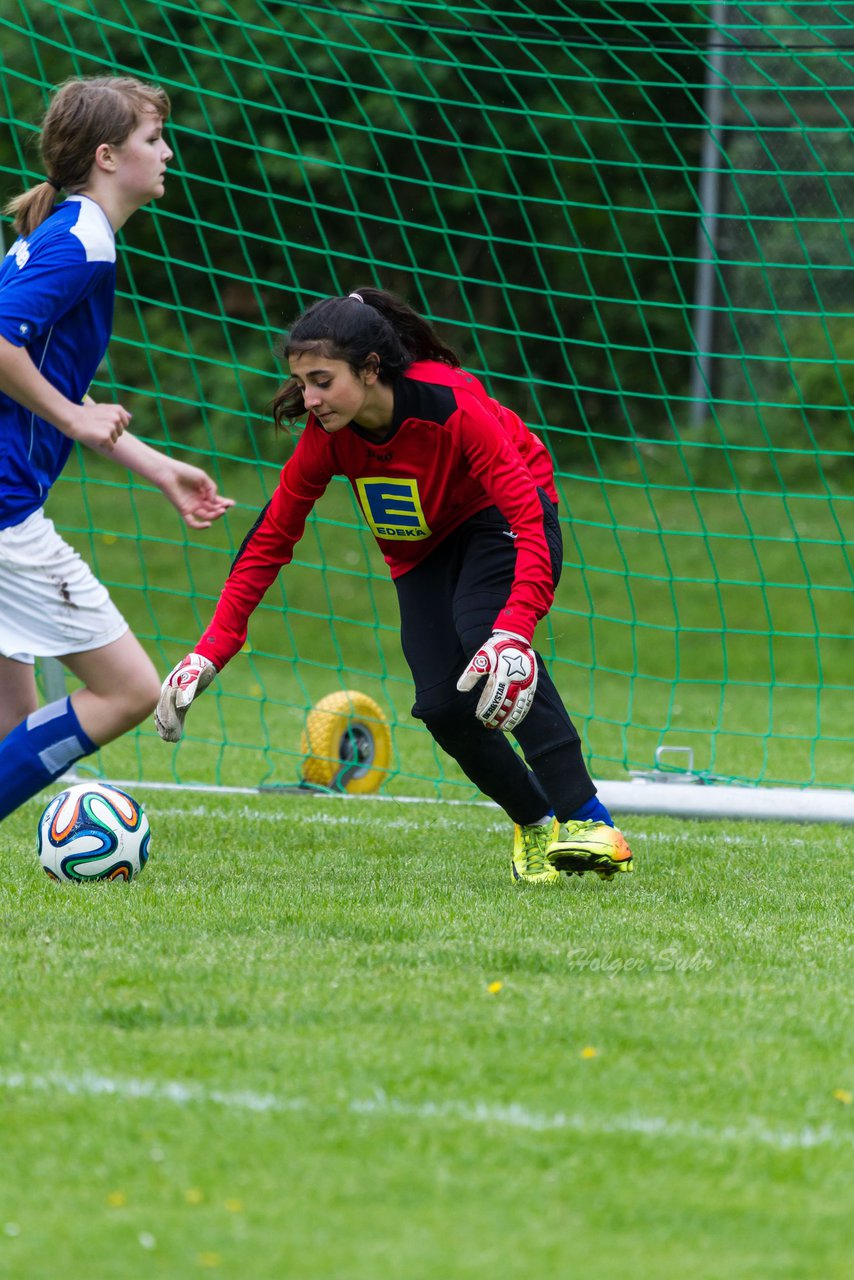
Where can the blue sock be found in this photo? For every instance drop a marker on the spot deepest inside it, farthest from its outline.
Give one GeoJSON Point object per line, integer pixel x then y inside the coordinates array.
{"type": "Point", "coordinates": [38, 750]}
{"type": "Point", "coordinates": [592, 811]}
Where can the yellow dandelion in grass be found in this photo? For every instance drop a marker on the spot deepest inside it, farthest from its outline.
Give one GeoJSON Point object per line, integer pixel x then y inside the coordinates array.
{"type": "Point", "coordinates": [494, 988]}
{"type": "Point", "coordinates": [209, 1259]}
{"type": "Point", "coordinates": [588, 1051]}
{"type": "Point", "coordinates": [194, 1195]}
{"type": "Point", "coordinates": [234, 1206]}
{"type": "Point", "coordinates": [844, 1096]}
{"type": "Point", "coordinates": [116, 1199]}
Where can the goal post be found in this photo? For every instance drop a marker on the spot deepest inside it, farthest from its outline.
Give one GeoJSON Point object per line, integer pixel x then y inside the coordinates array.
{"type": "Point", "coordinates": [634, 221]}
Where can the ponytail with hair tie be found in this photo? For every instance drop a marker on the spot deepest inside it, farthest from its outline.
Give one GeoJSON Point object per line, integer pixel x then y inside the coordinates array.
{"type": "Point", "coordinates": [385, 329]}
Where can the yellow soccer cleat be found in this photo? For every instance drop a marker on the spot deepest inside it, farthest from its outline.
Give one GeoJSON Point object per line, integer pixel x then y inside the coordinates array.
{"type": "Point", "coordinates": [530, 845]}
{"type": "Point", "coordinates": [589, 846]}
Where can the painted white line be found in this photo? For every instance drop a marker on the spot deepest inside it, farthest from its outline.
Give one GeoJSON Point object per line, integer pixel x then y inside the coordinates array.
{"type": "Point", "coordinates": [413, 821]}
{"type": "Point", "coordinates": [274, 792]}
{"type": "Point", "coordinates": [382, 1107]}
{"type": "Point", "coordinates": [397, 822]}
{"type": "Point", "coordinates": [718, 803]}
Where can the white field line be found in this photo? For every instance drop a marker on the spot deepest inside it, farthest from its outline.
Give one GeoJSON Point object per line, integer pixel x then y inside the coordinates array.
{"type": "Point", "coordinates": [500, 823]}
{"type": "Point", "coordinates": [412, 822]}
{"type": "Point", "coordinates": [382, 1107]}
{"type": "Point", "coordinates": [718, 803]}
{"type": "Point", "coordinates": [272, 792]}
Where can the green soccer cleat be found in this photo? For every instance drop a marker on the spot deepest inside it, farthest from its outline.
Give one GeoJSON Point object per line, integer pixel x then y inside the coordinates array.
{"type": "Point", "coordinates": [530, 845]}
{"type": "Point", "coordinates": [589, 846]}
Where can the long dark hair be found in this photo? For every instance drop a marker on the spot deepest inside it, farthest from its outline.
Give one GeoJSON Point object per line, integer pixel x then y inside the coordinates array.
{"type": "Point", "coordinates": [351, 328]}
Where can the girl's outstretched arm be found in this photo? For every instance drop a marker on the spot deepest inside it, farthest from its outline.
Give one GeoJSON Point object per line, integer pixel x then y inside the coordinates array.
{"type": "Point", "coordinates": [192, 492]}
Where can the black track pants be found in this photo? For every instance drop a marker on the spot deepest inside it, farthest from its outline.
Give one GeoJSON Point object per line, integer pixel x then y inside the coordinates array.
{"type": "Point", "coordinates": [448, 604]}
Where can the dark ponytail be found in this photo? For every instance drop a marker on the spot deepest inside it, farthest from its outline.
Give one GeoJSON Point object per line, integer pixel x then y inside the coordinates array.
{"type": "Point", "coordinates": [416, 333]}
{"type": "Point", "coordinates": [367, 321]}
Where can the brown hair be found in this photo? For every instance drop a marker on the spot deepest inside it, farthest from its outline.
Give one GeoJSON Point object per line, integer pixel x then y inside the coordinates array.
{"type": "Point", "coordinates": [83, 114]}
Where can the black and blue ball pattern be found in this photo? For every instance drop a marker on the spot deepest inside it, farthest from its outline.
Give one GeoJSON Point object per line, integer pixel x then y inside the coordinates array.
{"type": "Point", "coordinates": [93, 831]}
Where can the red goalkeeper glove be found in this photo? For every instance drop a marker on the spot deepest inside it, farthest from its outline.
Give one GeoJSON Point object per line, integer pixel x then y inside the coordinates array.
{"type": "Point", "coordinates": [510, 667]}
{"type": "Point", "coordinates": [184, 682]}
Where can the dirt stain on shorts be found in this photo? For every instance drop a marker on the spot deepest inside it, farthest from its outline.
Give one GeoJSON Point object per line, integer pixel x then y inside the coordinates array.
{"type": "Point", "coordinates": [64, 593]}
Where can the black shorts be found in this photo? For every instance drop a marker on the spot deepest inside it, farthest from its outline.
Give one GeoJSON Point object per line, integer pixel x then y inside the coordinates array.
{"type": "Point", "coordinates": [449, 602]}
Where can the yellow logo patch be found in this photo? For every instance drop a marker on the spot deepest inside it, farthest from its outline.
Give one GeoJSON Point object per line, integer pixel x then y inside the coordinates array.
{"type": "Point", "coordinates": [392, 508]}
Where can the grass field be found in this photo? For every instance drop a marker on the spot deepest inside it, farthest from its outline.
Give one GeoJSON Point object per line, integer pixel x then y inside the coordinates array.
{"type": "Point", "coordinates": [329, 1039]}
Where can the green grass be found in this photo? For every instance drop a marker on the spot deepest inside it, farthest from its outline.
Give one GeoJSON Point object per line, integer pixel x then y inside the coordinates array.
{"type": "Point", "coordinates": [283, 1052]}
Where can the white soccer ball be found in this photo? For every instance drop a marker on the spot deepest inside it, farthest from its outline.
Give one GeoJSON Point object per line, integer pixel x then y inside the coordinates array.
{"type": "Point", "coordinates": [93, 832]}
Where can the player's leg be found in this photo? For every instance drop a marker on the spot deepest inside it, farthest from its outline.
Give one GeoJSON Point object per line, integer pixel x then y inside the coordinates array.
{"type": "Point", "coordinates": [120, 688]}
{"type": "Point", "coordinates": [44, 745]}
{"type": "Point", "coordinates": [587, 838]}
{"type": "Point", "coordinates": [547, 736]}
{"type": "Point", "coordinates": [55, 607]}
{"type": "Point", "coordinates": [18, 695]}
{"type": "Point", "coordinates": [435, 657]}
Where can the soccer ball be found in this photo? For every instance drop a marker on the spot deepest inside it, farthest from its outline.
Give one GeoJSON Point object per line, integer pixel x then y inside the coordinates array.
{"type": "Point", "coordinates": [93, 832]}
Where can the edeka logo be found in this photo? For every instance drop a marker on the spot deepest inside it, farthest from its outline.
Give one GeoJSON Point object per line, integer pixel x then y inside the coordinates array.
{"type": "Point", "coordinates": [392, 508]}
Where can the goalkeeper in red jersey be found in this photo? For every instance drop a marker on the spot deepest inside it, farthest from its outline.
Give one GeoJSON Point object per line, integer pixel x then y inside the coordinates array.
{"type": "Point", "coordinates": [460, 497]}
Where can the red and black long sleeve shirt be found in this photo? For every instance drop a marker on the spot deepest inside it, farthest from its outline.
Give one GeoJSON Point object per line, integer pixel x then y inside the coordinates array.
{"type": "Point", "coordinates": [451, 451]}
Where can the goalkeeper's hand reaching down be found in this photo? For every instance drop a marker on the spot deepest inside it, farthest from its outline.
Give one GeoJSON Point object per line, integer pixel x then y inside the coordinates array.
{"type": "Point", "coordinates": [510, 666]}
{"type": "Point", "coordinates": [184, 682]}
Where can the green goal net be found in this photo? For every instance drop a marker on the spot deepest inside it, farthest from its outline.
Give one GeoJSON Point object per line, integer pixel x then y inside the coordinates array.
{"type": "Point", "coordinates": [634, 220]}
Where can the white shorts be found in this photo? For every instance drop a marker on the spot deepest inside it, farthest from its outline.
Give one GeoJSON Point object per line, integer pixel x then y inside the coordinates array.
{"type": "Point", "coordinates": [51, 603]}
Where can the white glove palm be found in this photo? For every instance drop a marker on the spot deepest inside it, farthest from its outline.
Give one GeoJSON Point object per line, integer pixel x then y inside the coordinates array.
{"type": "Point", "coordinates": [184, 682]}
{"type": "Point", "coordinates": [510, 667]}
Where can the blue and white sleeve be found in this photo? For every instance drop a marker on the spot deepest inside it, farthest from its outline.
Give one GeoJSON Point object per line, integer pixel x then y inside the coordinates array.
{"type": "Point", "coordinates": [48, 282]}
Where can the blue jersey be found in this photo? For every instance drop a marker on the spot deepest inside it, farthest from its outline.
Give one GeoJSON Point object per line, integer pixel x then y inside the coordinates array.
{"type": "Point", "coordinates": [57, 288]}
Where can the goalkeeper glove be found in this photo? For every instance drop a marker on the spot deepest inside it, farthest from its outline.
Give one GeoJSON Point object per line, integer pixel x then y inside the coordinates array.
{"type": "Point", "coordinates": [190, 677]}
{"type": "Point", "coordinates": [510, 667]}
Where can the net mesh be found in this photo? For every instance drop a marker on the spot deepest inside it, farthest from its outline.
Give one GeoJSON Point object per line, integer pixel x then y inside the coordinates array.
{"type": "Point", "coordinates": [632, 220]}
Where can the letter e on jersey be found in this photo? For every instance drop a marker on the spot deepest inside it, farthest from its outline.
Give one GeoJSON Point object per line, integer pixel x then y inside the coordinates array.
{"type": "Point", "coordinates": [392, 508]}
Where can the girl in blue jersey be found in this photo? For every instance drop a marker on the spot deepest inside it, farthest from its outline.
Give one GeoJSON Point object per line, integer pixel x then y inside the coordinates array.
{"type": "Point", "coordinates": [102, 144]}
